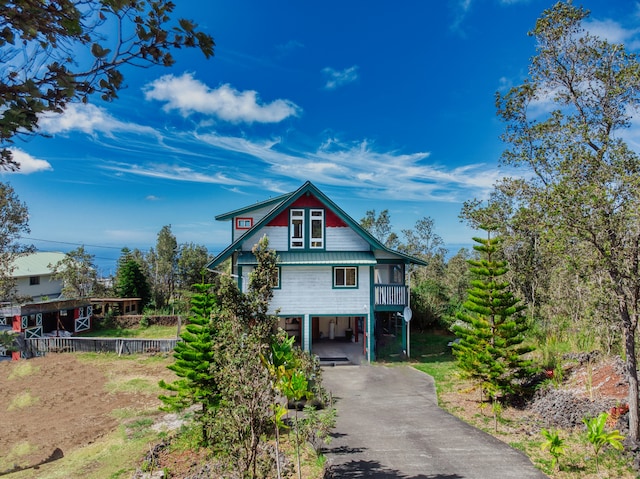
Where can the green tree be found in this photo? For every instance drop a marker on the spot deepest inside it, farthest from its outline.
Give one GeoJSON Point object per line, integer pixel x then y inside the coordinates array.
{"type": "Point", "coordinates": [77, 273]}
{"type": "Point", "coordinates": [565, 123]}
{"type": "Point", "coordinates": [131, 281]}
{"type": "Point", "coordinates": [193, 365]}
{"type": "Point", "coordinates": [380, 227]}
{"type": "Point", "coordinates": [490, 326]}
{"type": "Point", "coordinates": [191, 262]}
{"type": "Point", "coordinates": [62, 51]}
{"type": "Point", "coordinates": [164, 265]}
{"type": "Point", "coordinates": [14, 222]}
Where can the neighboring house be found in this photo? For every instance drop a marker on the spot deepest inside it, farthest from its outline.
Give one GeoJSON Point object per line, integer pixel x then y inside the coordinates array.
{"type": "Point", "coordinates": [41, 309]}
{"type": "Point", "coordinates": [33, 274]}
{"type": "Point", "coordinates": [335, 280]}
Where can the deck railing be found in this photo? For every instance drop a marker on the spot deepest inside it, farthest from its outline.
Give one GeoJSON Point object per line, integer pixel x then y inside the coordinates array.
{"type": "Point", "coordinates": [41, 346]}
{"type": "Point", "coordinates": [390, 294]}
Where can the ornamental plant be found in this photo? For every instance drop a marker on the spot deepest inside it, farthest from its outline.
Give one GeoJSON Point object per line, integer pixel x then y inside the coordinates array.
{"type": "Point", "coordinates": [600, 438]}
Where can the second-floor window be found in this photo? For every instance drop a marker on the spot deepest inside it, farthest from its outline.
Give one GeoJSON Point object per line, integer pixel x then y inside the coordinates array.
{"type": "Point", "coordinates": [34, 280]}
{"type": "Point", "coordinates": [345, 277]}
{"type": "Point", "coordinates": [296, 228]}
{"type": "Point", "coordinates": [317, 228]}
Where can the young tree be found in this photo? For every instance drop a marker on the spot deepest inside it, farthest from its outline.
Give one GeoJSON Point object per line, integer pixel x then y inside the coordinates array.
{"type": "Point", "coordinates": [380, 227]}
{"type": "Point", "coordinates": [57, 52]}
{"type": "Point", "coordinates": [194, 360]}
{"type": "Point", "coordinates": [566, 124]}
{"type": "Point", "coordinates": [491, 328]}
{"type": "Point", "coordinates": [14, 222]}
{"type": "Point", "coordinates": [77, 272]}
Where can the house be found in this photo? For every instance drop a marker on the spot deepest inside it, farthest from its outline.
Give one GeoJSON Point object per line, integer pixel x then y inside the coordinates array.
{"type": "Point", "coordinates": [40, 310]}
{"type": "Point", "coordinates": [335, 280]}
{"type": "Point", "coordinates": [34, 276]}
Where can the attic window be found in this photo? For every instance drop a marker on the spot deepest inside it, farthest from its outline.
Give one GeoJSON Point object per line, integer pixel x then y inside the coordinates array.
{"type": "Point", "coordinates": [244, 223]}
{"type": "Point", "coordinates": [296, 229]}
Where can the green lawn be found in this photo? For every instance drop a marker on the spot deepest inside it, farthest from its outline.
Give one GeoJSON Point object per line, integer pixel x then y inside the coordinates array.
{"type": "Point", "coordinates": [150, 332]}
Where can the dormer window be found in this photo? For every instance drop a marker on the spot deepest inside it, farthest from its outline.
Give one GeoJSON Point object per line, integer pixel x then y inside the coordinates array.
{"type": "Point", "coordinates": [244, 223]}
{"type": "Point", "coordinates": [296, 228]}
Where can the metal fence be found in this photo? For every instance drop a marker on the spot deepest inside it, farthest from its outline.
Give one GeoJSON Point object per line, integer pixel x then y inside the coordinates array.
{"type": "Point", "coordinates": [41, 346]}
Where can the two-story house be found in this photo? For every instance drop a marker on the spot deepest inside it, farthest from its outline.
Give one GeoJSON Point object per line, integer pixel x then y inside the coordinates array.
{"type": "Point", "coordinates": [335, 279]}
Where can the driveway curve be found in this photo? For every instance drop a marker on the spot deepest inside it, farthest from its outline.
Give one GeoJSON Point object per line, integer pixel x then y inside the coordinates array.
{"type": "Point", "coordinates": [390, 426]}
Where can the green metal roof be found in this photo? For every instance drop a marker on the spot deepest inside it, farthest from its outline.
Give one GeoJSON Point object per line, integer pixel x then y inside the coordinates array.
{"type": "Point", "coordinates": [303, 258]}
{"type": "Point", "coordinates": [36, 264]}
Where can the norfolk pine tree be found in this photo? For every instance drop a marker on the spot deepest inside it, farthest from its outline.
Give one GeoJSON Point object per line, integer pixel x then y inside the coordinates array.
{"type": "Point", "coordinates": [194, 358]}
{"type": "Point", "coordinates": [490, 326]}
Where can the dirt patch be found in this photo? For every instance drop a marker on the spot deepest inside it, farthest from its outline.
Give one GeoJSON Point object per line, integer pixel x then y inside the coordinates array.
{"type": "Point", "coordinates": [70, 403]}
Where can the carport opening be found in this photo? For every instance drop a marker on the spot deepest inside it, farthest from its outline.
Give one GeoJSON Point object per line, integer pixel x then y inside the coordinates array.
{"type": "Point", "coordinates": [337, 328]}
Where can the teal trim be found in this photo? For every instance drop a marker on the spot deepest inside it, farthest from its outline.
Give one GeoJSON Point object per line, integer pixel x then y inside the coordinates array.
{"type": "Point", "coordinates": [314, 258]}
{"type": "Point", "coordinates": [372, 301]}
{"type": "Point", "coordinates": [239, 279]}
{"type": "Point", "coordinates": [404, 335]}
{"type": "Point", "coordinates": [387, 307]}
{"type": "Point", "coordinates": [283, 202]}
{"type": "Point", "coordinates": [247, 209]}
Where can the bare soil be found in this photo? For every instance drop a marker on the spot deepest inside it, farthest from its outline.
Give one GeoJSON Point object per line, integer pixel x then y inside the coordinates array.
{"type": "Point", "coordinates": [52, 405]}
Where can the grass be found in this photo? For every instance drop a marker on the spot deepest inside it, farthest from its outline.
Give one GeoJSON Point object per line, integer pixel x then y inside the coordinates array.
{"type": "Point", "coordinates": [151, 332]}
{"type": "Point", "coordinates": [22, 400]}
{"type": "Point", "coordinates": [23, 369]}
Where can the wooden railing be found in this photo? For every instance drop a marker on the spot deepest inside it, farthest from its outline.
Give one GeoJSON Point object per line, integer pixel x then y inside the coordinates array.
{"type": "Point", "coordinates": [390, 294]}
{"type": "Point", "coordinates": [41, 346]}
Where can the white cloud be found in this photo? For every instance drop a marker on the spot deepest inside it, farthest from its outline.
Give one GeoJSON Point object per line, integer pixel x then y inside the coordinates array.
{"type": "Point", "coordinates": [172, 172]}
{"type": "Point", "coordinates": [338, 78]}
{"type": "Point", "coordinates": [188, 95]}
{"type": "Point", "coordinates": [89, 119]}
{"type": "Point", "coordinates": [614, 32]}
{"type": "Point", "coordinates": [152, 198]}
{"type": "Point", "coordinates": [28, 164]}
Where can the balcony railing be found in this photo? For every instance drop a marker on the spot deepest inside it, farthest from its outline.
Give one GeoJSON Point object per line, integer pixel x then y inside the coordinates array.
{"type": "Point", "coordinates": [391, 295]}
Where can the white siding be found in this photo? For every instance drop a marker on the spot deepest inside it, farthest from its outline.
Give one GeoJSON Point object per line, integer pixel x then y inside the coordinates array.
{"type": "Point", "coordinates": [47, 287]}
{"type": "Point", "coordinates": [345, 239]}
{"type": "Point", "coordinates": [309, 290]}
{"type": "Point", "coordinates": [278, 239]}
{"type": "Point", "coordinates": [257, 215]}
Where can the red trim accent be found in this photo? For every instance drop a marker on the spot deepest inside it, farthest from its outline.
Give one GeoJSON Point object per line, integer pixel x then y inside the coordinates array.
{"type": "Point", "coordinates": [241, 218]}
{"type": "Point", "coordinates": [331, 220]}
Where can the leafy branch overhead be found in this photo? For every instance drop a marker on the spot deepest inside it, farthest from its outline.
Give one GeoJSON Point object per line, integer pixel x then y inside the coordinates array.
{"type": "Point", "coordinates": [57, 52]}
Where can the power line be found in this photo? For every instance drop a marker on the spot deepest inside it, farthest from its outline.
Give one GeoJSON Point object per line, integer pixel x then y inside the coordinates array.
{"type": "Point", "coordinates": [72, 244]}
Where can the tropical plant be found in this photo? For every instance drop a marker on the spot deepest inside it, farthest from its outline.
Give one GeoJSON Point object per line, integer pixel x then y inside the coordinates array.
{"type": "Point", "coordinates": [600, 438]}
{"type": "Point", "coordinates": [554, 444]}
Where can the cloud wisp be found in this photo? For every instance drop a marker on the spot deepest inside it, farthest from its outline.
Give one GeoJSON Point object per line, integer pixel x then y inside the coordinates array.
{"type": "Point", "coordinates": [187, 95]}
{"type": "Point", "coordinates": [337, 78]}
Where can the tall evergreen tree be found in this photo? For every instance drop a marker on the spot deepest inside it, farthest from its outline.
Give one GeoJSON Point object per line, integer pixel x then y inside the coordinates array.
{"type": "Point", "coordinates": [194, 357]}
{"type": "Point", "coordinates": [131, 281]}
{"type": "Point", "coordinates": [490, 327]}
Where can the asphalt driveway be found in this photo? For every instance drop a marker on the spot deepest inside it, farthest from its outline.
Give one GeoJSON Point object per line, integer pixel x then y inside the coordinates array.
{"type": "Point", "coordinates": [390, 426]}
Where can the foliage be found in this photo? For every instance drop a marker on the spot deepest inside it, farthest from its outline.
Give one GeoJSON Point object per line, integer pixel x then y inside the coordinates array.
{"type": "Point", "coordinates": [191, 262]}
{"type": "Point", "coordinates": [380, 227]}
{"type": "Point", "coordinates": [163, 263]}
{"type": "Point", "coordinates": [599, 438]}
{"type": "Point", "coordinates": [554, 444]}
{"type": "Point", "coordinates": [491, 328]}
{"type": "Point", "coordinates": [194, 359]}
{"type": "Point", "coordinates": [565, 124]}
{"type": "Point", "coordinates": [57, 52]}
{"type": "Point", "coordinates": [131, 281]}
{"type": "Point", "coordinates": [77, 272]}
{"type": "Point", "coordinates": [14, 222]}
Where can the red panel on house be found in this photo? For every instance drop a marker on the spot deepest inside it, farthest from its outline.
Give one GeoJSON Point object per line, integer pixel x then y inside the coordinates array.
{"type": "Point", "coordinates": [331, 219]}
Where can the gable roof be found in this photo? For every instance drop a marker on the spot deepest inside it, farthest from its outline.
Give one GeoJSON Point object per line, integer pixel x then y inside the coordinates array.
{"type": "Point", "coordinates": [281, 203]}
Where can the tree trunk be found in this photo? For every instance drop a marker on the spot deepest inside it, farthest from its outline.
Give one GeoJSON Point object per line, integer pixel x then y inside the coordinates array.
{"type": "Point", "coordinates": [632, 373]}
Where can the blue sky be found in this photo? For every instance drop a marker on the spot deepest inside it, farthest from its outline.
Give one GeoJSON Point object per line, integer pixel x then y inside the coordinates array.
{"type": "Point", "coordinates": [382, 105]}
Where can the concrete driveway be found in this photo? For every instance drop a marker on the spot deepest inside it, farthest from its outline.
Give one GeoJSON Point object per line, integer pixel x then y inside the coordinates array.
{"type": "Point", "coordinates": [390, 426]}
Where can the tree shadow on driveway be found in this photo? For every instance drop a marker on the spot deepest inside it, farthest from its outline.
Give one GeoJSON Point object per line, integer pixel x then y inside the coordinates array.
{"type": "Point", "coordinates": [375, 470]}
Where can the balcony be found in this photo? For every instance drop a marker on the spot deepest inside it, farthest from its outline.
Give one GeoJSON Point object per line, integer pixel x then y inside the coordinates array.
{"type": "Point", "coordinates": [390, 295]}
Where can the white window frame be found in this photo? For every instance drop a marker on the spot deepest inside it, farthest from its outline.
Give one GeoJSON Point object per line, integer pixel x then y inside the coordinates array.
{"type": "Point", "coordinates": [316, 242]}
{"type": "Point", "coordinates": [296, 242]}
{"type": "Point", "coordinates": [345, 276]}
